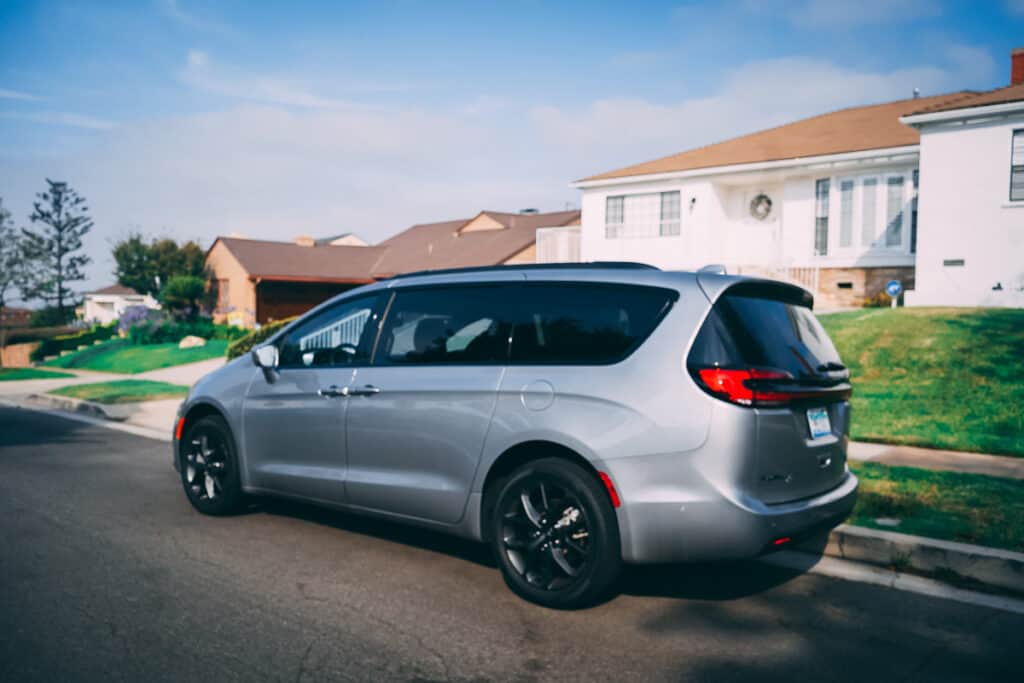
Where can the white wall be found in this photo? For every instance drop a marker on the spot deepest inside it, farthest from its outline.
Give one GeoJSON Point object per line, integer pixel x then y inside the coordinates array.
{"type": "Point", "coordinates": [719, 228]}
{"type": "Point", "coordinates": [965, 213]}
{"type": "Point", "coordinates": [106, 308]}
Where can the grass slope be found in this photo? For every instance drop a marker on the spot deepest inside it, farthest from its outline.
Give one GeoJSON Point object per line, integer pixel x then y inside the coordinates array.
{"type": "Point", "coordinates": [119, 356]}
{"type": "Point", "coordinates": [13, 374]}
{"type": "Point", "coordinates": [123, 391]}
{"type": "Point", "coordinates": [950, 506]}
{"type": "Point", "coordinates": [935, 377]}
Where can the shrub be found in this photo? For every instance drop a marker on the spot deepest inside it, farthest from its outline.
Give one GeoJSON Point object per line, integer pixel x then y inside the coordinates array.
{"type": "Point", "coordinates": [880, 300]}
{"type": "Point", "coordinates": [136, 315]}
{"type": "Point", "coordinates": [244, 344]}
{"type": "Point", "coordinates": [172, 331]}
{"type": "Point", "coordinates": [51, 317]}
{"type": "Point", "coordinates": [182, 295]}
{"type": "Point", "coordinates": [22, 335]}
{"type": "Point", "coordinates": [70, 342]}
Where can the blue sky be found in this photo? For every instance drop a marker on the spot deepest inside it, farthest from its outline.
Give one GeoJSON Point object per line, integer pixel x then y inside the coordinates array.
{"type": "Point", "coordinates": [193, 119]}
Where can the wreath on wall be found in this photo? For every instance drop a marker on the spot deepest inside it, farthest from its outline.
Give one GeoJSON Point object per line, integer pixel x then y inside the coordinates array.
{"type": "Point", "coordinates": [761, 206]}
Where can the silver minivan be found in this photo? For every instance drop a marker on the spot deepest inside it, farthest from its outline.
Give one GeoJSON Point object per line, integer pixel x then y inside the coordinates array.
{"type": "Point", "coordinates": [575, 417]}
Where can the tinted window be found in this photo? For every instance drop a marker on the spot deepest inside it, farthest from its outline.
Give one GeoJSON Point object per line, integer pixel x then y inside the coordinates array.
{"type": "Point", "coordinates": [749, 331]}
{"type": "Point", "coordinates": [340, 335]}
{"type": "Point", "coordinates": [446, 325]}
{"type": "Point", "coordinates": [584, 324]}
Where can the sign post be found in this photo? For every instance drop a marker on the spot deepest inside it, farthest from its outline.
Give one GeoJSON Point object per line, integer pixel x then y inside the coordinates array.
{"type": "Point", "coordinates": [893, 289]}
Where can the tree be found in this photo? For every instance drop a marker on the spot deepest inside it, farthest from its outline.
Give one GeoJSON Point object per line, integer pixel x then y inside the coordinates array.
{"type": "Point", "coordinates": [182, 294]}
{"type": "Point", "coordinates": [12, 255]}
{"type": "Point", "coordinates": [53, 249]}
{"type": "Point", "coordinates": [147, 266]}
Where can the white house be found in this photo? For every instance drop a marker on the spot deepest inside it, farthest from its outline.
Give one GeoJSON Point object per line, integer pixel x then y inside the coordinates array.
{"type": "Point", "coordinates": [830, 202]}
{"type": "Point", "coordinates": [971, 208]}
{"type": "Point", "coordinates": [106, 305]}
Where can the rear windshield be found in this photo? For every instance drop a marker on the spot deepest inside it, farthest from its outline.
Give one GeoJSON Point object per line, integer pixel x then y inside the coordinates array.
{"type": "Point", "coordinates": [752, 331]}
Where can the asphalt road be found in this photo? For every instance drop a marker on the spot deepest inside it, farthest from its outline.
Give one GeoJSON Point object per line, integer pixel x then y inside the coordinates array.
{"type": "Point", "coordinates": [106, 573]}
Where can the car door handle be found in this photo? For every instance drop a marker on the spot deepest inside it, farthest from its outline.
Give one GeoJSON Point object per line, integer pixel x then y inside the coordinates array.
{"type": "Point", "coordinates": [365, 390]}
{"type": "Point", "coordinates": [333, 391]}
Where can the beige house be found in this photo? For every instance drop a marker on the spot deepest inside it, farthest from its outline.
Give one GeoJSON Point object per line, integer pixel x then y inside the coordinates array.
{"type": "Point", "coordinates": [258, 281]}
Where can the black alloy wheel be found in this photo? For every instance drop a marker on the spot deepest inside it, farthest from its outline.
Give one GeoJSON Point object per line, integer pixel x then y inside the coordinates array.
{"type": "Point", "coordinates": [209, 468]}
{"type": "Point", "coordinates": [555, 534]}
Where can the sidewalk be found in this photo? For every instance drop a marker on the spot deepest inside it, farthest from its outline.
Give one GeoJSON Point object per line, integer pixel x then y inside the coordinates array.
{"type": "Point", "coordinates": [934, 459]}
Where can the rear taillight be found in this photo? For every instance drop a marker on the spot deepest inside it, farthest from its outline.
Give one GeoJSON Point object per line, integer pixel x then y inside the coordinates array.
{"type": "Point", "coordinates": [753, 386]}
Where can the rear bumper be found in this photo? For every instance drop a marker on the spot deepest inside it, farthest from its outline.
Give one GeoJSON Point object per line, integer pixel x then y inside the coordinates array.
{"type": "Point", "coordinates": [724, 529]}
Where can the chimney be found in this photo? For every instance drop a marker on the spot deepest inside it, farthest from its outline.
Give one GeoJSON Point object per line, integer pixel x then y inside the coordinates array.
{"type": "Point", "coordinates": [305, 241]}
{"type": "Point", "coordinates": [1017, 66]}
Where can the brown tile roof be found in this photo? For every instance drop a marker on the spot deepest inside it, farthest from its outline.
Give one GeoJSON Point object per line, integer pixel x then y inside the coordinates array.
{"type": "Point", "coordinates": [429, 246]}
{"type": "Point", "coordinates": [432, 246]}
{"type": "Point", "coordinates": [848, 130]}
{"type": "Point", "coordinates": [116, 290]}
{"type": "Point", "coordinates": [269, 260]}
{"type": "Point", "coordinates": [1010, 93]}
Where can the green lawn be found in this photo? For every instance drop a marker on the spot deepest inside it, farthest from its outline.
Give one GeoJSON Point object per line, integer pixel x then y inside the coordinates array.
{"type": "Point", "coordinates": [12, 374]}
{"type": "Point", "coordinates": [969, 508]}
{"type": "Point", "coordinates": [117, 355]}
{"type": "Point", "coordinates": [935, 377]}
{"type": "Point", "coordinates": [123, 391]}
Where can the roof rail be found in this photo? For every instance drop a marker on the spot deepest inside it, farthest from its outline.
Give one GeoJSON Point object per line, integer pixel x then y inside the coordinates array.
{"type": "Point", "coordinates": [590, 265]}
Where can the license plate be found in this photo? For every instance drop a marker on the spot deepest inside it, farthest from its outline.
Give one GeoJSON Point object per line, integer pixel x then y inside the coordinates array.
{"type": "Point", "coordinates": [817, 419]}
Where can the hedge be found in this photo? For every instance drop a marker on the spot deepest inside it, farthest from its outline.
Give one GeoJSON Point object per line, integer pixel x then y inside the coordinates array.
{"type": "Point", "coordinates": [172, 331]}
{"type": "Point", "coordinates": [244, 344]}
{"type": "Point", "coordinates": [69, 342]}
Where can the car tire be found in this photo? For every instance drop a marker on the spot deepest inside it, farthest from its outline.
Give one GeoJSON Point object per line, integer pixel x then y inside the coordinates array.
{"type": "Point", "coordinates": [209, 468]}
{"type": "Point", "coordinates": [554, 534]}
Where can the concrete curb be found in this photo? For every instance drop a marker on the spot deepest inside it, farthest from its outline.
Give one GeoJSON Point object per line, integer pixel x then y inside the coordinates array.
{"type": "Point", "coordinates": [977, 566]}
{"type": "Point", "coordinates": [77, 405]}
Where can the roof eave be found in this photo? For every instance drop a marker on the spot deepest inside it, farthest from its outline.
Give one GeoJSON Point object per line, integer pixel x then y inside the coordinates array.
{"type": "Point", "coordinates": [311, 278]}
{"type": "Point", "coordinates": [794, 162]}
{"type": "Point", "coordinates": [984, 111]}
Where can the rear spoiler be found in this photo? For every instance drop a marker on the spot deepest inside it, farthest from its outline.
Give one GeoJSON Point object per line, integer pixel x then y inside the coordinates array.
{"type": "Point", "coordinates": [715, 285]}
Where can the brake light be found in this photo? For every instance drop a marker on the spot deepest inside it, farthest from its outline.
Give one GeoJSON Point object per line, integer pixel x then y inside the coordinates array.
{"type": "Point", "coordinates": [745, 387]}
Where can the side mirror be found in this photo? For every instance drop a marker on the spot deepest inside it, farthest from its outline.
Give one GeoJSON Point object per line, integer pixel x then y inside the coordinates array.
{"type": "Point", "coordinates": [265, 356]}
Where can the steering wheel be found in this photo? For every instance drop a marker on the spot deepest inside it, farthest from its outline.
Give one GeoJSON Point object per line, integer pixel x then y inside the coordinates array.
{"type": "Point", "coordinates": [344, 352]}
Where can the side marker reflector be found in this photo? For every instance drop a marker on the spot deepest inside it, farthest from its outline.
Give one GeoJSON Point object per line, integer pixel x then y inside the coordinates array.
{"type": "Point", "coordinates": [612, 493]}
{"type": "Point", "coordinates": [782, 541]}
{"type": "Point", "coordinates": [177, 430]}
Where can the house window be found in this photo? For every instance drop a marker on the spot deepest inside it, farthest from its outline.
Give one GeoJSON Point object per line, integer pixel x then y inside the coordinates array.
{"type": "Point", "coordinates": [670, 213]}
{"type": "Point", "coordinates": [821, 189]}
{"type": "Point", "coordinates": [223, 294]}
{"type": "Point", "coordinates": [846, 213]}
{"type": "Point", "coordinates": [613, 215]}
{"type": "Point", "coordinates": [913, 215]}
{"type": "Point", "coordinates": [642, 215]}
{"type": "Point", "coordinates": [1017, 167]}
{"type": "Point", "coordinates": [868, 212]}
{"type": "Point", "coordinates": [894, 211]}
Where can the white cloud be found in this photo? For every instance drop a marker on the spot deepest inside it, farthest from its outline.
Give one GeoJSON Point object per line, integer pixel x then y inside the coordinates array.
{"type": "Point", "coordinates": [6, 94]}
{"type": "Point", "coordinates": [190, 19]}
{"type": "Point", "coordinates": [616, 132]}
{"type": "Point", "coordinates": [201, 73]}
{"type": "Point", "coordinates": [843, 14]}
{"type": "Point", "coordinates": [61, 118]}
{"type": "Point", "coordinates": [274, 171]}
